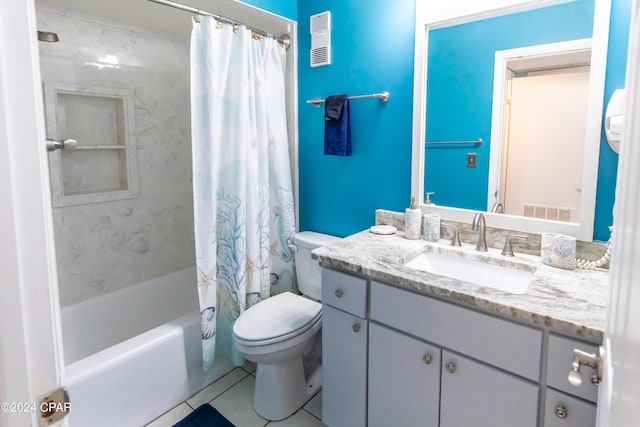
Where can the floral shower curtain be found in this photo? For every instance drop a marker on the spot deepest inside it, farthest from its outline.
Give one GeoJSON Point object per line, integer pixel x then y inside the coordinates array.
{"type": "Point", "coordinates": [243, 200]}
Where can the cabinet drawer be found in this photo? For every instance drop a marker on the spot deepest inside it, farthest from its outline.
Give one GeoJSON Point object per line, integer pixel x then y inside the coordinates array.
{"type": "Point", "coordinates": [346, 292]}
{"type": "Point", "coordinates": [501, 343]}
{"type": "Point", "coordinates": [562, 410]}
{"type": "Point", "coordinates": [560, 363]}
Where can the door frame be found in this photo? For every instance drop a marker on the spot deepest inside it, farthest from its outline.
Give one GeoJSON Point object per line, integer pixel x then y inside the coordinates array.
{"type": "Point", "coordinates": [31, 362]}
{"type": "Point", "coordinates": [592, 142]}
{"type": "Point", "coordinates": [620, 389]}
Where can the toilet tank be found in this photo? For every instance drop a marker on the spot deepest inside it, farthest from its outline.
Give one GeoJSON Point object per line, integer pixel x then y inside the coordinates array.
{"type": "Point", "coordinates": [308, 271]}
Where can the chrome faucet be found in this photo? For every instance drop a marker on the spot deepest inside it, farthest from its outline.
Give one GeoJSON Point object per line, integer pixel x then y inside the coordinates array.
{"type": "Point", "coordinates": [497, 208]}
{"type": "Point", "coordinates": [479, 224]}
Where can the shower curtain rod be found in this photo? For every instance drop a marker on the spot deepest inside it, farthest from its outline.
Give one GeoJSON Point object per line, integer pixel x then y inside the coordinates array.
{"type": "Point", "coordinates": [283, 39]}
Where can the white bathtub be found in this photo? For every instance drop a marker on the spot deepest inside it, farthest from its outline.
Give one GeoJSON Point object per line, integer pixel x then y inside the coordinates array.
{"type": "Point", "coordinates": [134, 354]}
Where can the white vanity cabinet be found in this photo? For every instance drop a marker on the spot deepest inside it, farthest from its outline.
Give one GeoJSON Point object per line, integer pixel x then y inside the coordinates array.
{"type": "Point", "coordinates": [393, 357]}
{"type": "Point", "coordinates": [454, 388]}
{"type": "Point", "coordinates": [344, 344]}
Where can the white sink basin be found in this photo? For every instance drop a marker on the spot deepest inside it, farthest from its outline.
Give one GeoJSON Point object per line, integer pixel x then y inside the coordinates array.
{"type": "Point", "coordinates": [479, 273]}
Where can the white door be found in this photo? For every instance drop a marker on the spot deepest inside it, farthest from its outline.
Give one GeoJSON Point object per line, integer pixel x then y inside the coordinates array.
{"type": "Point", "coordinates": [30, 344]}
{"type": "Point", "coordinates": [619, 400]}
{"type": "Point", "coordinates": [546, 126]}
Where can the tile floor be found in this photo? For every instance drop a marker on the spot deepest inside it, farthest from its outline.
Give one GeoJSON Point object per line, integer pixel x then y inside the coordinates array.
{"type": "Point", "coordinates": [232, 395]}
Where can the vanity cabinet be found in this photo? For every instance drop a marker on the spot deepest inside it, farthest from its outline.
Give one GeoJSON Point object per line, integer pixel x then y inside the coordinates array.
{"type": "Point", "coordinates": [417, 383]}
{"type": "Point", "coordinates": [344, 344]}
{"type": "Point", "coordinates": [392, 357]}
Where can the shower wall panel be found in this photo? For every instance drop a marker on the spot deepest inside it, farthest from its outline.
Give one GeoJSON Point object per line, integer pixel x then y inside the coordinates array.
{"type": "Point", "coordinates": [105, 246]}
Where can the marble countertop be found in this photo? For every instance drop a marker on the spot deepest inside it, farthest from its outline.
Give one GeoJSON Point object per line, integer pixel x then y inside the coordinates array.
{"type": "Point", "coordinates": [569, 301]}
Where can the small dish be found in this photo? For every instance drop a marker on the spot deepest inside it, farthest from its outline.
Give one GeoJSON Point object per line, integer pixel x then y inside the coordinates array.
{"type": "Point", "coordinates": [383, 229]}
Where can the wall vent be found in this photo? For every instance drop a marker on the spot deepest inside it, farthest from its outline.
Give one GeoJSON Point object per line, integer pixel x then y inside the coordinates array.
{"type": "Point", "coordinates": [320, 25]}
{"type": "Point", "coordinates": [547, 212]}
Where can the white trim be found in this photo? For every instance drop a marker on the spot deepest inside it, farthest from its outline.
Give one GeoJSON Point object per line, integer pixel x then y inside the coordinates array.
{"type": "Point", "coordinates": [442, 14]}
{"type": "Point", "coordinates": [31, 363]}
{"type": "Point", "coordinates": [430, 15]}
{"type": "Point", "coordinates": [592, 142]}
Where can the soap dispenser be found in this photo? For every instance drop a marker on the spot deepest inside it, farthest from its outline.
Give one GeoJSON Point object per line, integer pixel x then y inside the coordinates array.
{"type": "Point", "coordinates": [412, 221]}
{"type": "Point", "coordinates": [427, 199]}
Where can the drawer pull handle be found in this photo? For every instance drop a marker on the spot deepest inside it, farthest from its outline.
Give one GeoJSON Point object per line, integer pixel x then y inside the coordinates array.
{"type": "Point", "coordinates": [356, 327]}
{"type": "Point", "coordinates": [339, 293]}
{"type": "Point", "coordinates": [450, 367]}
{"type": "Point", "coordinates": [427, 359]}
{"type": "Point", "coordinates": [560, 411]}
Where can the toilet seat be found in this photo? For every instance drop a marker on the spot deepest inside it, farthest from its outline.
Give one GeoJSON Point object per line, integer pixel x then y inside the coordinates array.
{"type": "Point", "coordinates": [277, 319]}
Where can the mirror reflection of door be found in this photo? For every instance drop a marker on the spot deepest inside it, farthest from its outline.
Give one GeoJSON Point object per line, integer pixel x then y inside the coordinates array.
{"type": "Point", "coordinates": [544, 134]}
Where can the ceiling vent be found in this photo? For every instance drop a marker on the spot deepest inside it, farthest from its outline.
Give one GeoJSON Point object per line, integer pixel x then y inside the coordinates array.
{"type": "Point", "coordinates": [321, 39]}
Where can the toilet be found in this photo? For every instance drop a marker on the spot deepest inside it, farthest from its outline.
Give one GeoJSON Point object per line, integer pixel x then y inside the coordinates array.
{"type": "Point", "coordinates": [282, 336]}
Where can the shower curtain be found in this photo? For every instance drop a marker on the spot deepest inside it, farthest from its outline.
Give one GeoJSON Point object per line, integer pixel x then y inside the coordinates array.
{"type": "Point", "coordinates": [243, 200]}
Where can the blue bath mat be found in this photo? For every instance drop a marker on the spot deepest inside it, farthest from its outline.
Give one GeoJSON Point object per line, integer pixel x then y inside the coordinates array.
{"type": "Point", "coordinates": [204, 416]}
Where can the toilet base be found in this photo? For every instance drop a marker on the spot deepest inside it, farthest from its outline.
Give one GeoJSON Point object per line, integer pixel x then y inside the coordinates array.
{"type": "Point", "coordinates": [280, 389]}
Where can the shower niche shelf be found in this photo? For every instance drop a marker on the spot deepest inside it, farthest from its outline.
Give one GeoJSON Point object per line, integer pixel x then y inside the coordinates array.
{"type": "Point", "coordinates": [102, 167]}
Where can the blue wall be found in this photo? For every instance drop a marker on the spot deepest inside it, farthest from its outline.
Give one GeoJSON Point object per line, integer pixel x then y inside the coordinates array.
{"type": "Point", "coordinates": [616, 66]}
{"type": "Point", "coordinates": [460, 84]}
{"type": "Point", "coordinates": [373, 46]}
{"type": "Point", "coordinates": [286, 8]}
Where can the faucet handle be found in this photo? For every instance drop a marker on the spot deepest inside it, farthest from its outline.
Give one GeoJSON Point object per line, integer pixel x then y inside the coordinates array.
{"type": "Point", "coordinates": [455, 239]}
{"type": "Point", "coordinates": [508, 249]}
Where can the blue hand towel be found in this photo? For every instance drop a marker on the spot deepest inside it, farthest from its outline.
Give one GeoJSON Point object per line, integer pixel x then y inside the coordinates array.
{"type": "Point", "coordinates": [337, 126]}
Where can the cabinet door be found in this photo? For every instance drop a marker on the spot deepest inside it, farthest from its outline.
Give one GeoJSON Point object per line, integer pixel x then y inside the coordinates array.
{"type": "Point", "coordinates": [344, 369]}
{"type": "Point", "coordinates": [562, 410]}
{"type": "Point", "coordinates": [404, 380]}
{"type": "Point", "coordinates": [474, 394]}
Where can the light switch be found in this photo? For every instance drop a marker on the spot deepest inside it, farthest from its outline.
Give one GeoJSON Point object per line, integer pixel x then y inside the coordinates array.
{"type": "Point", "coordinates": [472, 160]}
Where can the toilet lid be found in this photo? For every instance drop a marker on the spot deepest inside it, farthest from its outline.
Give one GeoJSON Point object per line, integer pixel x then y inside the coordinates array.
{"type": "Point", "coordinates": [279, 316]}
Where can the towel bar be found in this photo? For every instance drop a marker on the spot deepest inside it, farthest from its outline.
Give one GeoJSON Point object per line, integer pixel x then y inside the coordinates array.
{"type": "Point", "coordinates": [476, 142]}
{"type": "Point", "coordinates": [382, 96]}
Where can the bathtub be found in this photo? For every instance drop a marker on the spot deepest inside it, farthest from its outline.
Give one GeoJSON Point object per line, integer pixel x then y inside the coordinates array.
{"type": "Point", "coordinates": [133, 354]}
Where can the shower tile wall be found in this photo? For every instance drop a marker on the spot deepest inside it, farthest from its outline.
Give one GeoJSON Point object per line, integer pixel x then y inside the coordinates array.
{"type": "Point", "coordinates": [102, 247]}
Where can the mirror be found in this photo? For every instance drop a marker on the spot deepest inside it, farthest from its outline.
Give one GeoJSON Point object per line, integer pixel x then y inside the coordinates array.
{"type": "Point", "coordinates": [466, 90]}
